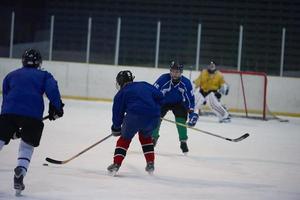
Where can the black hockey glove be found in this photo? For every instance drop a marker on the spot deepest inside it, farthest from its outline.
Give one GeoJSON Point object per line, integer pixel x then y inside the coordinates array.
{"type": "Point", "coordinates": [55, 113]}
{"type": "Point", "coordinates": [218, 95]}
{"type": "Point", "coordinates": [115, 131]}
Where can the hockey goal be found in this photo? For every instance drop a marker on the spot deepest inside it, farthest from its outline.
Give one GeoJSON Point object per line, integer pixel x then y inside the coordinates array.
{"type": "Point", "coordinates": [248, 93]}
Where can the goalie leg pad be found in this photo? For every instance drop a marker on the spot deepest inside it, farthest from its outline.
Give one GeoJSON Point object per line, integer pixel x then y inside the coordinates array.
{"type": "Point", "coordinates": [199, 100]}
{"type": "Point", "coordinates": [217, 107]}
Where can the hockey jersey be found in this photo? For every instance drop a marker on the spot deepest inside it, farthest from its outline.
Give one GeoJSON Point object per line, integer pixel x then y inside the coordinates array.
{"type": "Point", "coordinates": [209, 82]}
{"type": "Point", "coordinates": [139, 98]}
{"type": "Point", "coordinates": [23, 91]}
{"type": "Point", "coordinates": [181, 92]}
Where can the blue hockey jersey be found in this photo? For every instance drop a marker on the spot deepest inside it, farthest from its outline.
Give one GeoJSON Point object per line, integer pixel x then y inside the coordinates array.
{"type": "Point", "coordinates": [23, 91]}
{"type": "Point", "coordinates": [181, 92]}
{"type": "Point", "coordinates": [139, 98]}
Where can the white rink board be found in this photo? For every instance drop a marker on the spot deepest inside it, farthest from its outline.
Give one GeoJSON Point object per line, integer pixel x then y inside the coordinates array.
{"type": "Point", "coordinates": [98, 81]}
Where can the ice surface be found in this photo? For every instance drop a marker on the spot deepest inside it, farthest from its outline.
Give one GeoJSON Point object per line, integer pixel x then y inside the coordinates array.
{"type": "Point", "coordinates": [264, 166]}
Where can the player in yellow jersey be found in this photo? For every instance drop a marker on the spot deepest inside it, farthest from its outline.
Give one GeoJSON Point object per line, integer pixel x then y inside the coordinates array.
{"type": "Point", "coordinates": [210, 86]}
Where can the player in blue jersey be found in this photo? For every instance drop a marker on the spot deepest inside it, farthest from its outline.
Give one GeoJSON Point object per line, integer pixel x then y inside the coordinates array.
{"type": "Point", "coordinates": [22, 109]}
{"type": "Point", "coordinates": [136, 109]}
{"type": "Point", "coordinates": [179, 98]}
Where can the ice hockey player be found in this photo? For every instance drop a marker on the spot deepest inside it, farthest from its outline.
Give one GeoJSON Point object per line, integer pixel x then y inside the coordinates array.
{"type": "Point", "coordinates": [136, 109]}
{"type": "Point", "coordinates": [210, 86]}
{"type": "Point", "coordinates": [179, 98]}
{"type": "Point", "coordinates": [23, 107]}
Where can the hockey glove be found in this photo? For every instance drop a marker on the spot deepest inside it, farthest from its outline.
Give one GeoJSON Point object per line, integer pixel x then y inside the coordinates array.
{"type": "Point", "coordinates": [224, 89]}
{"type": "Point", "coordinates": [193, 118]}
{"type": "Point", "coordinates": [115, 131]}
{"type": "Point", "coordinates": [55, 113]}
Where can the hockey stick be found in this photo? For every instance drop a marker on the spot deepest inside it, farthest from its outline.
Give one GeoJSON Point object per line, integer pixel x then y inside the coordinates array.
{"type": "Point", "coordinates": [209, 133]}
{"type": "Point", "coordinates": [275, 116]}
{"type": "Point", "coordinates": [59, 162]}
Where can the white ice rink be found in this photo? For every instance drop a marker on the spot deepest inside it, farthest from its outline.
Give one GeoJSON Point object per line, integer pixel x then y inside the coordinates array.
{"type": "Point", "coordinates": [264, 166]}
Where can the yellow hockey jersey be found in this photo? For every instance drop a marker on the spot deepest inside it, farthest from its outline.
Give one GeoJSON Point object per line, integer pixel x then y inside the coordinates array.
{"type": "Point", "coordinates": [208, 82]}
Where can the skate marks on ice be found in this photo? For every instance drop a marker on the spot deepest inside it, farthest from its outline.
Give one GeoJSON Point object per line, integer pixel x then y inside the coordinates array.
{"type": "Point", "coordinates": [222, 160]}
{"type": "Point", "coordinates": [130, 172]}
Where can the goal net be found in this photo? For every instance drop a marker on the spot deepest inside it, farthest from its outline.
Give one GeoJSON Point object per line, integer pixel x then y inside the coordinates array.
{"type": "Point", "coordinates": [248, 93]}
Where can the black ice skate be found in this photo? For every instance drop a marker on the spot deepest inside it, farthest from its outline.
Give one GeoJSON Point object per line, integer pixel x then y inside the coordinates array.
{"type": "Point", "coordinates": [184, 147]}
{"type": "Point", "coordinates": [150, 167]}
{"type": "Point", "coordinates": [18, 180]}
{"type": "Point", "coordinates": [113, 169]}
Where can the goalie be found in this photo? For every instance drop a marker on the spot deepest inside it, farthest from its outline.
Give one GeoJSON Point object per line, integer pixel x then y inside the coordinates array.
{"type": "Point", "coordinates": [209, 88]}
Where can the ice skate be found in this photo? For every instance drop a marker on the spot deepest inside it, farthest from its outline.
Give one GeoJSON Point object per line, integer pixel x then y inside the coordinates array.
{"type": "Point", "coordinates": [225, 120]}
{"type": "Point", "coordinates": [184, 147]}
{"type": "Point", "coordinates": [150, 168]}
{"type": "Point", "coordinates": [113, 169]}
{"type": "Point", "coordinates": [18, 180]}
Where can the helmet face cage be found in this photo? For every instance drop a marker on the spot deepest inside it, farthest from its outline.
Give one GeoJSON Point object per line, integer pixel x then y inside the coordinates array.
{"type": "Point", "coordinates": [176, 66]}
{"type": "Point", "coordinates": [32, 58]}
{"type": "Point", "coordinates": [176, 71]}
{"type": "Point", "coordinates": [212, 67]}
{"type": "Point", "coordinates": [122, 78]}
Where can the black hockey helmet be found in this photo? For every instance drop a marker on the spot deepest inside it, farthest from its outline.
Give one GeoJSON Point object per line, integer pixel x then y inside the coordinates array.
{"type": "Point", "coordinates": [32, 58]}
{"type": "Point", "coordinates": [176, 66]}
{"type": "Point", "coordinates": [124, 77]}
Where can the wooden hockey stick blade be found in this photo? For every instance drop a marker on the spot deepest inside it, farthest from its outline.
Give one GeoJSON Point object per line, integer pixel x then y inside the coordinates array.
{"type": "Point", "coordinates": [59, 162]}
{"type": "Point", "coordinates": [209, 133]}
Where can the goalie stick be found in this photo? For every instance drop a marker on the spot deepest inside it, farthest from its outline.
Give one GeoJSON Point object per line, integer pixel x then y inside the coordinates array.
{"type": "Point", "coordinates": [59, 162]}
{"type": "Point", "coordinates": [275, 116]}
{"type": "Point", "coordinates": [209, 133]}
